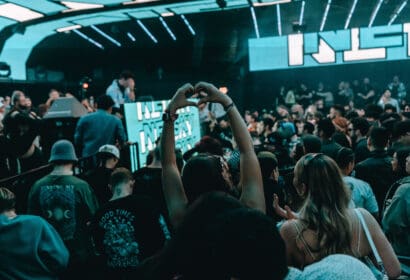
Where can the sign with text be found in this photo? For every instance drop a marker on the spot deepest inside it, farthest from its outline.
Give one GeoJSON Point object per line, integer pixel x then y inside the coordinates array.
{"type": "Point", "coordinates": [144, 126]}
{"type": "Point", "coordinates": [381, 43]}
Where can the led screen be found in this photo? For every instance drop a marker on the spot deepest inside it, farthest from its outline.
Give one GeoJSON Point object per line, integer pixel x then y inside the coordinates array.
{"type": "Point", "coordinates": [144, 126]}
{"type": "Point", "coordinates": [381, 43]}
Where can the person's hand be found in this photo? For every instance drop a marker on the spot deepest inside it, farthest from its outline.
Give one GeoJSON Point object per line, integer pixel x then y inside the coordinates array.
{"type": "Point", "coordinates": [180, 99]}
{"type": "Point", "coordinates": [286, 213]}
{"type": "Point", "coordinates": [209, 93]}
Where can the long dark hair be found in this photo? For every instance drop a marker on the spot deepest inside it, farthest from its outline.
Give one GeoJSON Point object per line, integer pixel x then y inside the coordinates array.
{"type": "Point", "coordinates": [326, 204]}
{"type": "Point", "coordinates": [202, 174]}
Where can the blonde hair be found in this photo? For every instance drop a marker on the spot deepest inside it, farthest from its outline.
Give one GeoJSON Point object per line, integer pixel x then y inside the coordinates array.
{"type": "Point", "coordinates": [325, 208]}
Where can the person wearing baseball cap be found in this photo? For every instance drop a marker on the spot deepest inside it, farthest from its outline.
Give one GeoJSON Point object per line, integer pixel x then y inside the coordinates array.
{"type": "Point", "coordinates": [108, 157]}
{"type": "Point", "coordinates": [68, 203]}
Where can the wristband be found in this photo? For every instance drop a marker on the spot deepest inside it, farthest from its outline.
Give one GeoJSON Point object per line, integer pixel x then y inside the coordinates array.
{"type": "Point", "coordinates": [168, 116]}
{"type": "Point", "coordinates": [227, 108]}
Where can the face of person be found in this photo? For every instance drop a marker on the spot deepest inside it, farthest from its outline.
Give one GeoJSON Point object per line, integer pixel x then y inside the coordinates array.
{"type": "Point", "coordinates": [130, 83]}
{"type": "Point", "coordinates": [224, 124]}
{"type": "Point", "coordinates": [366, 80]}
{"type": "Point", "coordinates": [28, 102]}
{"type": "Point", "coordinates": [332, 113]}
{"type": "Point", "coordinates": [22, 102]}
{"type": "Point", "coordinates": [54, 94]}
{"type": "Point", "coordinates": [408, 164]}
{"type": "Point", "coordinates": [387, 94]}
{"type": "Point", "coordinates": [260, 128]}
{"type": "Point", "coordinates": [396, 79]}
{"type": "Point", "coordinates": [395, 163]}
{"type": "Point", "coordinates": [319, 104]}
{"type": "Point", "coordinates": [350, 130]}
{"type": "Point", "coordinates": [300, 126]}
{"type": "Point", "coordinates": [282, 112]}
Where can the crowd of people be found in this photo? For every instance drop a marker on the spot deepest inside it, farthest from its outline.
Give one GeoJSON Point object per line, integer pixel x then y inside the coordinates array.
{"type": "Point", "coordinates": [316, 188]}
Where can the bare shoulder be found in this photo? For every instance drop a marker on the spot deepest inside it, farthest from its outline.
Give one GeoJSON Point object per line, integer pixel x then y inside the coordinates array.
{"type": "Point", "coordinates": [288, 229]}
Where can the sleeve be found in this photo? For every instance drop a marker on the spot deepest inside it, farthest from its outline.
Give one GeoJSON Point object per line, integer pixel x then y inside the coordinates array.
{"type": "Point", "coordinates": [78, 135]}
{"type": "Point", "coordinates": [121, 132]}
{"type": "Point", "coordinates": [89, 199]}
{"type": "Point", "coordinates": [52, 251]}
{"type": "Point", "coordinates": [370, 202]}
{"type": "Point", "coordinates": [395, 219]}
{"type": "Point", "coordinates": [113, 94]}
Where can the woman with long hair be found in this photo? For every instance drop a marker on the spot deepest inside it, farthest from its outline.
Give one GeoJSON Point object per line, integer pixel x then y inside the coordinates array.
{"type": "Point", "coordinates": [325, 225]}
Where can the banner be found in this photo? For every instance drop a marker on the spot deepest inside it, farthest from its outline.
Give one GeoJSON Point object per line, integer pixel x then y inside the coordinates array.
{"type": "Point", "coordinates": [381, 43]}
{"type": "Point", "coordinates": [144, 126]}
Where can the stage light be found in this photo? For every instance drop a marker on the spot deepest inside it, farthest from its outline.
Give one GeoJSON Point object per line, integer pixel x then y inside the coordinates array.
{"type": "Point", "coordinates": [255, 22]}
{"type": "Point", "coordinates": [322, 24]}
{"type": "Point", "coordinates": [261, 4]}
{"type": "Point", "coordinates": [397, 12]}
{"type": "Point", "coordinates": [138, 2]}
{"type": "Point", "coordinates": [131, 36]}
{"type": "Point", "coordinates": [375, 11]}
{"type": "Point", "coordinates": [188, 25]}
{"type": "Point", "coordinates": [279, 20]}
{"type": "Point", "coordinates": [105, 35]}
{"type": "Point", "coordinates": [18, 13]}
{"type": "Point", "coordinates": [68, 28]}
{"type": "Point", "coordinates": [169, 14]}
{"type": "Point", "coordinates": [349, 17]}
{"type": "Point", "coordinates": [85, 37]}
{"type": "Point", "coordinates": [302, 13]}
{"type": "Point", "coordinates": [167, 28]}
{"type": "Point", "coordinates": [85, 85]}
{"type": "Point", "coordinates": [147, 31]}
{"type": "Point", "coordinates": [76, 6]}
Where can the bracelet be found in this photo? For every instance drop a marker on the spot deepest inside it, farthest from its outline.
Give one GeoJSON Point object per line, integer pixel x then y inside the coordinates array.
{"type": "Point", "coordinates": [230, 106]}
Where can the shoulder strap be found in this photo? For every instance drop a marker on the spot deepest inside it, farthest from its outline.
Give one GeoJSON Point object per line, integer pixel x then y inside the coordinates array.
{"type": "Point", "coordinates": [299, 237]}
{"type": "Point", "coordinates": [370, 239]}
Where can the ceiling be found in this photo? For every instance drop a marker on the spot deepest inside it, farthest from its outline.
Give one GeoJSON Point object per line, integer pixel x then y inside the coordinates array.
{"type": "Point", "coordinates": [26, 25]}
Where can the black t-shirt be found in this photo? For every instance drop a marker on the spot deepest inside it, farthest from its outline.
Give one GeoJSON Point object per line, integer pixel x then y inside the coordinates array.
{"type": "Point", "coordinates": [148, 181]}
{"type": "Point", "coordinates": [128, 230]}
{"type": "Point", "coordinates": [99, 179]}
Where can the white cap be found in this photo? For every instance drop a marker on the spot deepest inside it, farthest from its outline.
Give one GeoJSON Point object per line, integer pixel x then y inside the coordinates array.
{"type": "Point", "coordinates": [110, 149]}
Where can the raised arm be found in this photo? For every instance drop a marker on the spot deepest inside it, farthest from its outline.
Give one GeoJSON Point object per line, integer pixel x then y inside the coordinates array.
{"type": "Point", "coordinates": [251, 177]}
{"type": "Point", "coordinates": [173, 189]}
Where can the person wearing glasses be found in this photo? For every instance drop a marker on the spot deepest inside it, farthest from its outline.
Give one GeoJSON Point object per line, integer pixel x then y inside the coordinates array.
{"type": "Point", "coordinates": [325, 225]}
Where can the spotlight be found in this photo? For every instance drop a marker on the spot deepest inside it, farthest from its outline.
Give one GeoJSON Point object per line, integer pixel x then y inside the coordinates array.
{"type": "Point", "coordinates": [221, 3]}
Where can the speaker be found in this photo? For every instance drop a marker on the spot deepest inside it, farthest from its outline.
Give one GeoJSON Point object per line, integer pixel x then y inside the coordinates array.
{"type": "Point", "coordinates": [60, 122]}
{"type": "Point", "coordinates": [65, 107]}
